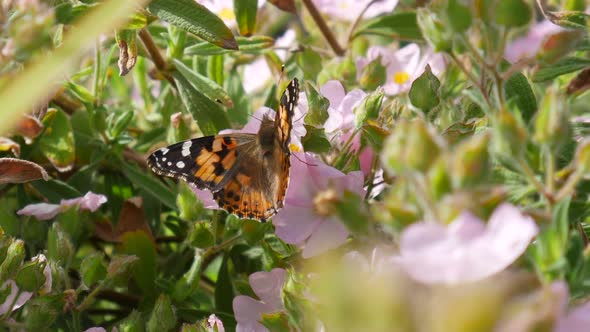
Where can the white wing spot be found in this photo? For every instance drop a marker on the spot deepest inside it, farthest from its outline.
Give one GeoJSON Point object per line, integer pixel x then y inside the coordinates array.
{"type": "Point", "coordinates": [180, 164]}
{"type": "Point", "coordinates": [186, 148]}
{"type": "Point", "coordinates": [164, 151]}
{"type": "Point", "coordinates": [164, 159]}
{"type": "Point", "coordinates": [169, 164]}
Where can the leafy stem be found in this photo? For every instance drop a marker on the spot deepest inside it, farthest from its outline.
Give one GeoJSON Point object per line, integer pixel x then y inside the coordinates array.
{"type": "Point", "coordinates": [321, 23]}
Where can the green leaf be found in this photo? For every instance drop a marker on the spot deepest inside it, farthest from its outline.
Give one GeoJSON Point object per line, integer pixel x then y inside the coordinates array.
{"type": "Point", "coordinates": [57, 142]}
{"type": "Point", "coordinates": [517, 88]}
{"type": "Point", "coordinates": [401, 25]}
{"type": "Point", "coordinates": [245, 11]}
{"type": "Point", "coordinates": [93, 269]}
{"type": "Point", "coordinates": [150, 184]}
{"type": "Point", "coordinates": [163, 317]}
{"type": "Point", "coordinates": [121, 265]}
{"type": "Point", "coordinates": [239, 113]}
{"type": "Point", "coordinates": [253, 231]}
{"type": "Point", "coordinates": [224, 292]}
{"type": "Point", "coordinates": [459, 16]}
{"type": "Point", "coordinates": [564, 66]}
{"type": "Point", "coordinates": [118, 125]}
{"type": "Point", "coordinates": [310, 62]}
{"type": "Point", "coordinates": [424, 92]}
{"type": "Point", "coordinates": [216, 69]}
{"type": "Point", "coordinates": [139, 244]}
{"type": "Point", "coordinates": [318, 106]}
{"type": "Point", "coordinates": [200, 235]}
{"type": "Point", "coordinates": [204, 85]}
{"type": "Point", "coordinates": [208, 114]}
{"type": "Point", "coordinates": [254, 44]}
{"type": "Point", "coordinates": [277, 321]}
{"type": "Point", "coordinates": [194, 18]}
{"type": "Point", "coordinates": [315, 140]}
{"type": "Point", "coordinates": [55, 190]}
{"type": "Point", "coordinates": [569, 19]}
{"type": "Point", "coordinates": [513, 13]}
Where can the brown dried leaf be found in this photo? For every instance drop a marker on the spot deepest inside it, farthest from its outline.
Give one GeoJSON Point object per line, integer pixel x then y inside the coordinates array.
{"type": "Point", "coordinates": [580, 83]}
{"type": "Point", "coordinates": [285, 5]}
{"type": "Point", "coordinates": [14, 170]}
{"type": "Point", "coordinates": [29, 127]}
{"type": "Point", "coordinates": [6, 144]}
{"type": "Point", "coordinates": [131, 219]}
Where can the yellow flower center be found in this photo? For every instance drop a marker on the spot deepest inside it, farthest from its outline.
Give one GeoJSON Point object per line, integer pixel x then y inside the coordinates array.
{"type": "Point", "coordinates": [227, 14]}
{"type": "Point", "coordinates": [401, 77]}
{"type": "Point", "coordinates": [294, 148]}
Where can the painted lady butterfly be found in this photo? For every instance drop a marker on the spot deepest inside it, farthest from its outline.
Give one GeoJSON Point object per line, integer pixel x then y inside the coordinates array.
{"type": "Point", "coordinates": [247, 173]}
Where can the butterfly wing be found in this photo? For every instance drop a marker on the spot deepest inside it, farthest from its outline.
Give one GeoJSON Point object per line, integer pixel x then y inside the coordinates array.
{"type": "Point", "coordinates": [284, 124]}
{"type": "Point", "coordinates": [208, 162]}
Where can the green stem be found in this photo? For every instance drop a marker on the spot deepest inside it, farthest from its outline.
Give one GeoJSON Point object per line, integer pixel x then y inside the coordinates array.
{"type": "Point", "coordinates": [528, 172]}
{"type": "Point", "coordinates": [88, 300]}
{"type": "Point", "coordinates": [570, 186]}
{"type": "Point", "coordinates": [549, 170]}
{"type": "Point", "coordinates": [321, 23]}
{"type": "Point", "coordinates": [96, 88]}
{"type": "Point", "coordinates": [471, 77]}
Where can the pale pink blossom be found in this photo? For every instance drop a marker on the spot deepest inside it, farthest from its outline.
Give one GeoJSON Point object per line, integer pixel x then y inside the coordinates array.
{"type": "Point", "coordinates": [268, 286]}
{"type": "Point", "coordinates": [467, 249]}
{"type": "Point", "coordinates": [403, 66]}
{"type": "Point", "coordinates": [46, 211]}
{"type": "Point", "coordinates": [349, 10]}
{"type": "Point", "coordinates": [299, 222]}
{"type": "Point", "coordinates": [529, 45]}
{"type": "Point", "coordinates": [576, 319]}
{"type": "Point", "coordinates": [215, 324]}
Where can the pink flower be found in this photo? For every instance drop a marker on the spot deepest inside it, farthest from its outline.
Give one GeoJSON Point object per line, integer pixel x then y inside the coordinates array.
{"type": "Point", "coordinates": [530, 44]}
{"type": "Point", "coordinates": [467, 249]}
{"type": "Point", "coordinates": [403, 66]}
{"type": "Point", "coordinates": [268, 286]}
{"type": "Point", "coordinates": [215, 324]}
{"type": "Point", "coordinates": [300, 222]}
{"type": "Point", "coordinates": [574, 320]}
{"type": "Point", "coordinates": [342, 104]}
{"type": "Point", "coordinates": [349, 10]}
{"type": "Point", "coordinates": [46, 211]}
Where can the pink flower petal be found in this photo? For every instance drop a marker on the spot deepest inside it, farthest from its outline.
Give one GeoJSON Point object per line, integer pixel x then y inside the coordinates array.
{"type": "Point", "coordinates": [46, 272]}
{"type": "Point", "coordinates": [294, 224]}
{"type": "Point", "coordinates": [328, 235]}
{"type": "Point", "coordinates": [205, 196]}
{"type": "Point", "coordinates": [90, 201]}
{"type": "Point", "coordinates": [268, 286]}
{"type": "Point", "coordinates": [215, 322]}
{"type": "Point", "coordinates": [465, 250]}
{"type": "Point", "coordinates": [248, 312]}
{"type": "Point", "coordinates": [41, 211]}
{"type": "Point", "coordinates": [96, 329]}
{"type": "Point", "coordinates": [22, 298]}
{"type": "Point", "coordinates": [334, 91]}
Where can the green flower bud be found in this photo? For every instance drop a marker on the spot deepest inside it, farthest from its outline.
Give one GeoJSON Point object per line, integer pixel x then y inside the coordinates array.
{"type": "Point", "coordinates": [412, 146]}
{"type": "Point", "coordinates": [133, 323]}
{"type": "Point", "coordinates": [30, 277]}
{"type": "Point", "coordinates": [509, 134]}
{"type": "Point", "coordinates": [369, 108]}
{"type": "Point", "coordinates": [424, 91]}
{"type": "Point", "coordinates": [14, 258]}
{"type": "Point", "coordinates": [59, 246]}
{"type": "Point", "coordinates": [470, 163]}
{"type": "Point", "coordinates": [163, 317]}
{"type": "Point", "coordinates": [583, 156]}
{"type": "Point", "coordinates": [373, 75]}
{"type": "Point", "coordinates": [439, 179]}
{"type": "Point", "coordinates": [434, 30]}
{"type": "Point", "coordinates": [552, 127]}
{"type": "Point", "coordinates": [93, 269]}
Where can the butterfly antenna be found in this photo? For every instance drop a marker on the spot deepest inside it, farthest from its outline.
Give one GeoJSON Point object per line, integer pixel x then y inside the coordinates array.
{"type": "Point", "coordinates": [281, 75]}
{"type": "Point", "coordinates": [305, 162]}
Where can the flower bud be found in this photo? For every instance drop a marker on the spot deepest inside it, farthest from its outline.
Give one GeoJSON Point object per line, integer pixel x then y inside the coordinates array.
{"type": "Point", "coordinates": [412, 146]}
{"type": "Point", "coordinates": [30, 277]}
{"type": "Point", "coordinates": [583, 156]}
{"type": "Point", "coordinates": [434, 31]}
{"type": "Point", "coordinates": [14, 259]}
{"type": "Point", "coordinates": [552, 127]}
{"type": "Point", "coordinates": [373, 75]}
{"type": "Point", "coordinates": [59, 246]}
{"type": "Point", "coordinates": [509, 134]}
{"type": "Point", "coordinates": [369, 108]}
{"type": "Point", "coordinates": [470, 163]}
{"type": "Point", "coordinates": [424, 91]}
{"type": "Point", "coordinates": [163, 317]}
{"type": "Point", "coordinates": [439, 179]}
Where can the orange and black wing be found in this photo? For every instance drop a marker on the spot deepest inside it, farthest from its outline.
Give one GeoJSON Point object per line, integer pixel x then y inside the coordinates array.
{"type": "Point", "coordinates": [284, 124]}
{"type": "Point", "coordinates": [208, 162]}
